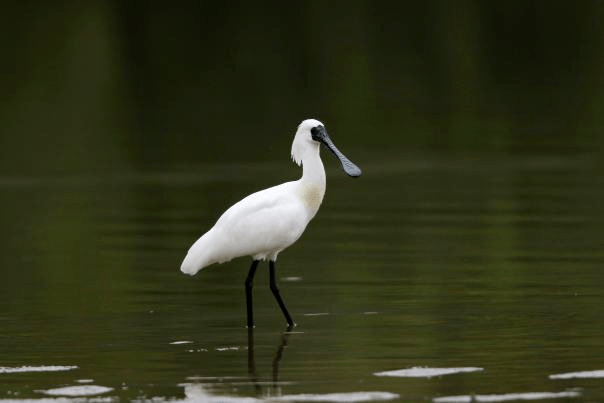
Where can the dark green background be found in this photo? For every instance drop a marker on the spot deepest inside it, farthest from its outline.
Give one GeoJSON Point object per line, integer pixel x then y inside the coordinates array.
{"type": "Point", "coordinates": [90, 86]}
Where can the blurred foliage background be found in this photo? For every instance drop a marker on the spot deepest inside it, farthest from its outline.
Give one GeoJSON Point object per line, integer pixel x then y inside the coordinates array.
{"type": "Point", "coordinates": [106, 85]}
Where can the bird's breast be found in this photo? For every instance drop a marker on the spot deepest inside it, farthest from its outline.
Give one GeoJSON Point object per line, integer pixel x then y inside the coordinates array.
{"type": "Point", "coordinates": [311, 195]}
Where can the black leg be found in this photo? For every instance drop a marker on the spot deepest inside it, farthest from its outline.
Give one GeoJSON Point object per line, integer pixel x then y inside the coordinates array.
{"type": "Point", "coordinates": [249, 283]}
{"type": "Point", "coordinates": [275, 291]}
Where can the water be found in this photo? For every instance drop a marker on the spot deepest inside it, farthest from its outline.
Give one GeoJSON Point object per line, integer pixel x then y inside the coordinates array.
{"type": "Point", "coordinates": [478, 275]}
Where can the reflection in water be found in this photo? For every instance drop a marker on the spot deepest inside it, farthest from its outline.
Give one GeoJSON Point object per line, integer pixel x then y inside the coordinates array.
{"type": "Point", "coordinates": [506, 397]}
{"type": "Point", "coordinates": [580, 374]}
{"type": "Point", "coordinates": [195, 393]}
{"type": "Point", "coordinates": [83, 390]}
{"type": "Point", "coordinates": [198, 392]}
{"type": "Point", "coordinates": [251, 362]}
{"type": "Point", "coordinates": [426, 372]}
{"type": "Point", "coordinates": [41, 368]}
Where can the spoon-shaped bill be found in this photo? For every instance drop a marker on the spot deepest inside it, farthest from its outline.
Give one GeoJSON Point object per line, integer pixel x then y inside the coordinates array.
{"type": "Point", "coordinates": [348, 166]}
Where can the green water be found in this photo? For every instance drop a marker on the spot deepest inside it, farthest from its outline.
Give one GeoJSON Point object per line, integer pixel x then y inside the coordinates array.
{"type": "Point", "coordinates": [425, 261]}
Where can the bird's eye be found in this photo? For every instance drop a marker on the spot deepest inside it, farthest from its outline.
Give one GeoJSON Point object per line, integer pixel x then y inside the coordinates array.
{"type": "Point", "coordinates": [314, 131]}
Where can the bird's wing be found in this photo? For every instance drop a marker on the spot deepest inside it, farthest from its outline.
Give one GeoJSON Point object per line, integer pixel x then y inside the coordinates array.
{"type": "Point", "coordinates": [262, 223]}
{"type": "Point", "coordinates": [256, 204]}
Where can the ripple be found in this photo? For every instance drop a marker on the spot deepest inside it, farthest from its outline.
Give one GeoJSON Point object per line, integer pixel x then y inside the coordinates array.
{"type": "Point", "coordinates": [218, 379]}
{"type": "Point", "coordinates": [426, 372]}
{"type": "Point", "coordinates": [195, 392]}
{"type": "Point", "coordinates": [506, 397]}
{"type": "Point", "coordinates": [42, 368]}
{"type": "Point", "coordinates": [582, 374]}
{"type": "Point", "coordinates": [339, 397]}
{"type": "Point", "coordinates": [84, 390]}
{"type": "Point", "coordinates": [62, 400]}
{"type": "Point", "coordinates": [198, 350]}
{"type": "Point", "coordinates": [228, 348]}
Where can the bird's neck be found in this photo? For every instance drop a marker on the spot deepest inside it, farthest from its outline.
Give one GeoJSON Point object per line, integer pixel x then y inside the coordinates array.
{"type": "Point", "coordinates": [313, 172]}
{"type": "Point", "coordinates": [311, 187]}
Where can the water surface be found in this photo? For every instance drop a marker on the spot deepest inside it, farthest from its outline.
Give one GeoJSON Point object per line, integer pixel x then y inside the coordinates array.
{"type": "Point", "coordinates": [426, 265]}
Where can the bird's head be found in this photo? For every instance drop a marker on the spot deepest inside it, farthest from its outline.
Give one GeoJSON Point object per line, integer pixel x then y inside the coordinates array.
{"type": "Point", "coordinates": [310, 134]}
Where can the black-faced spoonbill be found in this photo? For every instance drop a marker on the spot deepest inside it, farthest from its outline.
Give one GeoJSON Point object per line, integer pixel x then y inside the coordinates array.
{"type": "Point", "coordinates": [266, 222]}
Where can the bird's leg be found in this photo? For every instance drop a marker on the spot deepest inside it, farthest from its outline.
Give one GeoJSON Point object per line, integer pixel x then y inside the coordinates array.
{"type": "Point", "coordinates": [249, 283]}
{"type": "Point", "coordinates": [275, 290]}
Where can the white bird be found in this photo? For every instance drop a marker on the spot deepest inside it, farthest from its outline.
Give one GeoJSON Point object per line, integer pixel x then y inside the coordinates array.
{"type": "Point", "coordinates": [266, 222]}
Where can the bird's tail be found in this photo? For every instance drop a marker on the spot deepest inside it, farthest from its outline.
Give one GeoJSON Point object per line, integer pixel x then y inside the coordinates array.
{"type": "Point", "coordinates": [199, 255]}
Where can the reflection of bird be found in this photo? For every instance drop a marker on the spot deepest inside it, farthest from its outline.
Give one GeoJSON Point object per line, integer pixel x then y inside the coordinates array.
{"type": "Point", "coordinates": [251, 360]}
{"type": "Point", "coordinates": [266, 222]}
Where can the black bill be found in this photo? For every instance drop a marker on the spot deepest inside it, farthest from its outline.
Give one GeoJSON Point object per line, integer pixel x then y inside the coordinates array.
{"type": "Point", "coordinates": [320, 134]}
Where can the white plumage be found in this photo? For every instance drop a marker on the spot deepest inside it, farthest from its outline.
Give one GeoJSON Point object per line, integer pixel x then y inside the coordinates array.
{"type": "Point", "coordinates": [261, 225]}
{"type": "Point", "coordinates": [266, 222]}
